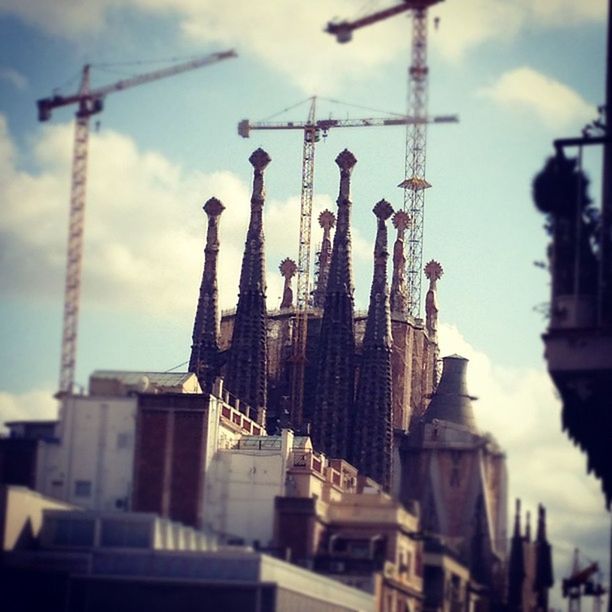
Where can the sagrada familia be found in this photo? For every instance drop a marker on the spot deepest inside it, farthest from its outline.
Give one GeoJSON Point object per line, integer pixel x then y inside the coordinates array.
{"type": "Point", "coordinates": [373, 391]}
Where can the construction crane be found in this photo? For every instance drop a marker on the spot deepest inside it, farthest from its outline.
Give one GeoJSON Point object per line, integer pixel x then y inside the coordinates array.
{"type": "Point", "coordinates": [313, 130]}
{"type": "Point", "coordinates": [581, 582]}
{"type": "Point", "coordinates": [414, 183]}
{"type": "Point", "coordinates": [90, 102]}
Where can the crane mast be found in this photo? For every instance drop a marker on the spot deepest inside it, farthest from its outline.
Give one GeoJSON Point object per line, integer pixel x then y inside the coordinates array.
{"type": "Point", "coordinates": [311, 135]}
{"type": "Point", "coordinates": [414, 183]}
{"type": "Point", "coordinates": [313, 129]}
{"type": "Point", "coordinates": [90, 102]}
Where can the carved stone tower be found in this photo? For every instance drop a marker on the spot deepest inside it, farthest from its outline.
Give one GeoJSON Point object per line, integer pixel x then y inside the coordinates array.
{"type": "Point", "coordinates": [399, 286]}
{"type": "Point", "coordinates": [543, 579]}
{"type": "Point", "coordinates": [327, 220]}
{"type": "Point", "coordinates": [332, 419]}
{"type": "Point", "coordinates": [204, 361]}
{"type": "Point", "coordinates": [373, 440]}
{"type": "Point", "coordinates": [247, 361]}
{"type": "Point", "coordinates": [433, 271]}
{"type": "Point", "coordinates": [516, 564]}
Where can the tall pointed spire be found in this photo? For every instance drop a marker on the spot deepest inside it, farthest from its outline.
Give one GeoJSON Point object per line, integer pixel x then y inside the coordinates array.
{"type": "Point", "coordinates": [332, 418]}
{"type": "Point", "coordinates": [516, 565]}
{"type": "Point", "coordinates": [543, 579]}
{"type": "Point", "coordinates": [247, 361]}
{"type": "Point", "coordinates": [204, 361]}
{"type": "Point", "coordinates": [327, 220]}
{"type": "Point", "coordinates": [433, 271]}
{"type": "Point", "coordinates": [373, 401]}
{"type": "Point", "coordinates": [527, 536]}
{"type": "Point", "coordinates": [399, 287]}
{"type": "Point", "coordinates": [287, 268]}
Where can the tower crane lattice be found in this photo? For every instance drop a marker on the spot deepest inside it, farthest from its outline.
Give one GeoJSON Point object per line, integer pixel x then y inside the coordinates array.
{"type": "Point", "coordinates": [414, 183]}
{"type": "Point", "coordinates": [313, 129]}
{"type": "Point", "coordinates": [90, 102]}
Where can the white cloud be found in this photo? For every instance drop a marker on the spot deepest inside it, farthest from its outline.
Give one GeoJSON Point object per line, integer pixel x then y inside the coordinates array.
{"type": "Point", "coordinates": [61, 17]}
{"type": "Point", "coordinates": [12, 76]}
{"type": "Point", "coordinates": [33, 405]}
{"type": "Point", "coordinates": [144, 229]}
{"type": "Point", "coordinates": [520, 407]}
{"type": "Point", "coordinates": [288, 35]}
{"type": "Point", "coordinates": [566, 12]}
{"type": "Point", "coordinates": [555, 104]}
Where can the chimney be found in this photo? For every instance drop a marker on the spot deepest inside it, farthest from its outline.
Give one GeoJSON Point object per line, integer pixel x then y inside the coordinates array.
{"type": "Point", "coordinates": [451, 401]}
{"type": "Point", "coordinates": [327, 220]}
{"type": "Point", "coordinates": [204, 361]}
{"type": "Point", "coordinates": [332, 418]}
{"type": "Point", "coordinates": [373, 439]}
{"type": "Point", "coordinates": [246, 366]}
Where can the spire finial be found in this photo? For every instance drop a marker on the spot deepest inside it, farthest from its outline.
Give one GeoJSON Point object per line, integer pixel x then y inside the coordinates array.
{"type": "Point", "coordinates": [287, 268]}
{"type": "Point", "coordinates": [213, 207]}
{"type": "Point", "coordinates": [259, 160]}
{"type": "Point", "coordinates": [401, 221]}
{"type": "Point", "coordinates": [327, 220]}
{"type": "Point", "coordinates": [346, 160]}
{"type": "Point", "coordinates": [383, 210]}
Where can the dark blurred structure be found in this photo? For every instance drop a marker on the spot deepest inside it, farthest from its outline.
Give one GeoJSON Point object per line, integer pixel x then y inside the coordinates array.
{"type": "Point", "coordinates": [579, 337]}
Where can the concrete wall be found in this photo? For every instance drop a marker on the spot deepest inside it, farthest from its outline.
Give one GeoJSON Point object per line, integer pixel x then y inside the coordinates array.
{"type": "Point", "coordinates": [91, 466]}
{"type": "Point", "coordinates": [241, 486]}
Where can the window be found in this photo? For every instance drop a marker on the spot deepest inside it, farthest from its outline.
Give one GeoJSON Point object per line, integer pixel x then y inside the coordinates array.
{"type": "Point", "coordinates": [125, 534]}
{"type": "Point", "coordinates": [124, 441]}
{"type": "Point", "coordinates": [74, 532]}
{"type": "Point", "coordinates": [82, 488]}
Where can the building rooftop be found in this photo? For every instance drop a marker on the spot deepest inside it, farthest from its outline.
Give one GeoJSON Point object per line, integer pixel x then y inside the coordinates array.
{"type": "Point", "coordinates": [117, 382]}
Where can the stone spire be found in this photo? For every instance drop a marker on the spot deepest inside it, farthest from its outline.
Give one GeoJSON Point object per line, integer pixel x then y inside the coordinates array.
{"type": "Point", "coordinates": [373, 438]}
{"type": "Point", "coordinates": [327, 220]}
{"type": "Point", "coordinates": [543, 579]}
{"type": "Point", "coordinates": [287, 268]}
{"type": "Point", "coordinates": [516, 564]}
{"type": "Point", "coordinates": [332, 418]}
{"type": "Point", "coordinates": [247, 361]}
{"type": "Point", "coordinates": [204, 361]}
{"type": "Point", "coordinates": [399, 286]}
{"type": "Point", "coordinates": [433, 271]}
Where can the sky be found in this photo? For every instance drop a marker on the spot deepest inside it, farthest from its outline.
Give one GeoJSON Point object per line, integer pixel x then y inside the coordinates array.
{"type": "Point", "coordinates": [519, 73]}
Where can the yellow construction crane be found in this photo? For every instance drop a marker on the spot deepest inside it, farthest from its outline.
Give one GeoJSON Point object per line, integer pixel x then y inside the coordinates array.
{"type": "Point", "coordinates": [90, 102]}
{"type": "Point", "coordinates": [313, 130]}
{"type": "Point", "coordinates": [414, 183]}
